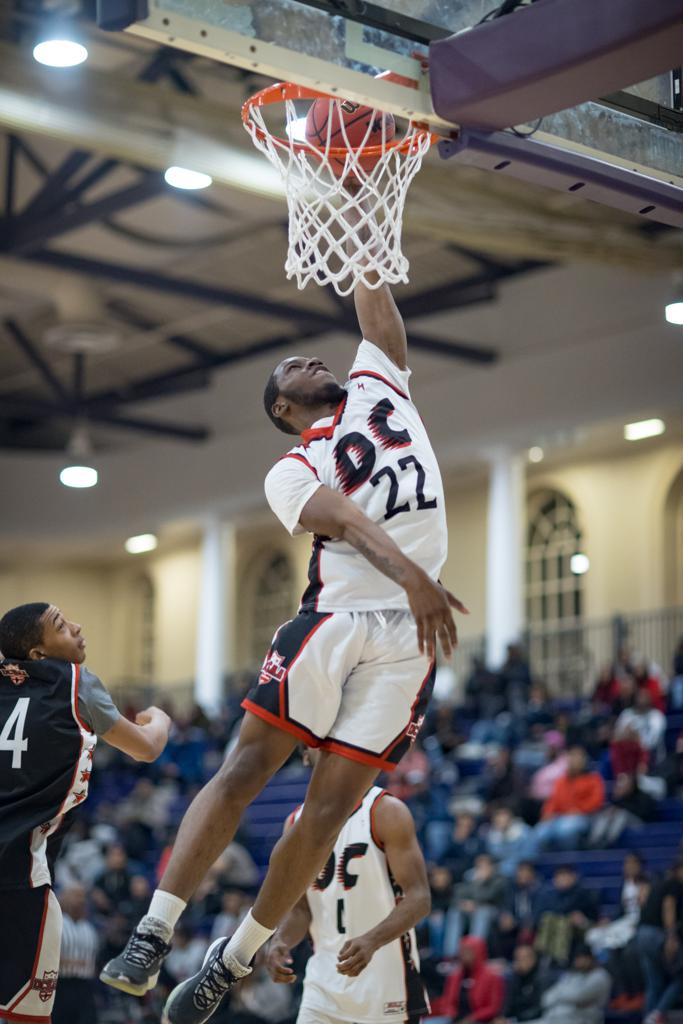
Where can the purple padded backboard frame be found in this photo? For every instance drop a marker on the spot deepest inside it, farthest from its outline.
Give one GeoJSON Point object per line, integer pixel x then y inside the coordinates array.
{"type": "Point", "coordinates": [542, 163]}
{"type": "Point", "coordinates": [552, 56]}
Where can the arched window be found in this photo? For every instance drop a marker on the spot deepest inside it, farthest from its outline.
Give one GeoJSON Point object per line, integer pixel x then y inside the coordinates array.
{"type": "Point", "coordinates": [273, 602]}
{"type": "Point", "coordinates": [553, 592]}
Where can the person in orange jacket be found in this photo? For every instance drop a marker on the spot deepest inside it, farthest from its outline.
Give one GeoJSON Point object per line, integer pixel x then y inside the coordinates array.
{"type": "Point", "coordinates": [567, 814]}
{"type": "Point", "coordinates": [474, 992]}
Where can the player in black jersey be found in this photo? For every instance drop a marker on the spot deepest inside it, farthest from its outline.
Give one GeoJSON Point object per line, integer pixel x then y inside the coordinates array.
{"type": "Point", "coordinates": [52, 711]}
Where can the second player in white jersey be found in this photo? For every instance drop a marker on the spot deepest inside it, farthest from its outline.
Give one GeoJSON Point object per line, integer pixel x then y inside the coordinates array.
{"type": "Point", "coordinates": [375, 450]}
{"type": "Point", "coordinates": [361, 912]}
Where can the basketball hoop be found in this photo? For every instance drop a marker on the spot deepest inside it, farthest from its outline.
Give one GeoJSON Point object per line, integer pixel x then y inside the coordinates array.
{"type": "Point", "coordinates": [345, 200]}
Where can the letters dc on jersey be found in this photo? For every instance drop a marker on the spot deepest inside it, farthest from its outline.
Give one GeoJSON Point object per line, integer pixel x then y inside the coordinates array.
{"type": "Point", "coordinates": [375, 450]}
{"type": "Point", "coordinates": [352, 894]}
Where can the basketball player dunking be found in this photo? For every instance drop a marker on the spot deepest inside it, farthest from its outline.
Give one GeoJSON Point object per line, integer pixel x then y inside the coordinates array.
{"type": "Point", "coordinates": [361, 912]}
{"type": "Point", "coordinates": [52, 711]}
{"type": "Point", "coordinates": [352, 673]}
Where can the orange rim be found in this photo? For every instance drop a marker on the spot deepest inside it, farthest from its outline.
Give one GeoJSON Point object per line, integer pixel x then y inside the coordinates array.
{"type": "Point", "coordinates": [282, 91]}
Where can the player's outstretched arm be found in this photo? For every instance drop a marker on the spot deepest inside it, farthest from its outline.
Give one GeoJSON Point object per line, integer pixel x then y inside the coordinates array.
{"type": "Point", "coordinates": [394, 830]}
{"type": "Point", "coordinates": [291, 931]}
{"type": "Point", "coordinates": [329, 513]}
{"type": "Point", "coordinates": [378, 317]}
{"type": "Point", "coordinates": [144, 739]}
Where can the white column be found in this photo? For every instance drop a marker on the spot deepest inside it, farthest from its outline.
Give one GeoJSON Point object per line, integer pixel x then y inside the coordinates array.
{"type": "Point", "coordinates": [505, 555]}
{"type": "Point", "coordinates": [211, 617]}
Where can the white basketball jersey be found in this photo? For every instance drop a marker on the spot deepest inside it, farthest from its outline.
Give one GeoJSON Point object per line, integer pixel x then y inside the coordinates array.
{"type": "Point", "coordinates": [375, 449]}
{"type": "Point", "coordinates": [353, 893]}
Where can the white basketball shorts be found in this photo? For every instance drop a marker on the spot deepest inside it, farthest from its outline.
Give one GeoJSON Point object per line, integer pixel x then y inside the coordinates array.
{"type": "Point", "coordinates": [353, 683]}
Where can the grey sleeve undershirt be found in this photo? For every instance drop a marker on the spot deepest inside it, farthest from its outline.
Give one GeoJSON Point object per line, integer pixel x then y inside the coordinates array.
{"type": "Point", "coordinates": [95, 705]}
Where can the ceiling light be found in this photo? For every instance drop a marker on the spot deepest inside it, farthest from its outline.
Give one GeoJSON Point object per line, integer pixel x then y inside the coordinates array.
{"type": "Point", "coordinates": [182, 177]}
{"type": "Point", "coordinates": [673, 312]}
{"type": "Point", "coordinates": [643, 428]}
{"type": "Point", "coordinates": [141, 543]}
{"type": "Point", "coordinates": [60, 53]}
{"type": "Point", "coordinates": [535, 454]}
{"type": "Point", "coordinates": [579, 564]}
{"type": "Point", "coordinates": [78, 476]}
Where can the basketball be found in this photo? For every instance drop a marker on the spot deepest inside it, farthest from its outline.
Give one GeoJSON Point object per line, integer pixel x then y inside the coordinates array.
{"type": "Point", "coordinates": [350, 125]}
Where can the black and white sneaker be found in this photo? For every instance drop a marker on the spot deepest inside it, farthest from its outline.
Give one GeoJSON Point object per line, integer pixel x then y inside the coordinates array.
{"type": "Point", "coordinates": [195, 1000]}
{"type": "Point", "coordinates": [136, 969]}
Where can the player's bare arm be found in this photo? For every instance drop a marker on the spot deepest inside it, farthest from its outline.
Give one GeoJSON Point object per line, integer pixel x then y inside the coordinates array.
{"type": "Point", "coordinates": [378, 316]}
{"type": "Point", "coordinates": [293, 929]}
{"type": "Point", "coordinates": [144, 739]}
{"type": "Point", "coordinates": [395, 830]}
{"type": "Point", "coordinates": [329, 513]}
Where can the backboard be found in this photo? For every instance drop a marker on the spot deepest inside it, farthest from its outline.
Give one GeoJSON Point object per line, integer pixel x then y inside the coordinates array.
{"type": "Point", "coordinates": [638, 132]}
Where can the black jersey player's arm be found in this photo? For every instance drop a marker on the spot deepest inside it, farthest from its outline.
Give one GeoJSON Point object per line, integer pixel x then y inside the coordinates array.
{"type": "Point", "coordinates": [329, 513]}
{"type": "Point", "coordinates": [394, 831]}
{"type": "Point", "coordinates": [145, 738]}
{"type": "Point", "coordinates": [378, 317]}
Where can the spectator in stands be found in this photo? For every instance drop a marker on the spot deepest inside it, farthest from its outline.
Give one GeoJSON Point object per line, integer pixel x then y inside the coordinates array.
{"type": "Point", "coordinates": [411, 778]}
{"type": "Point", "coordinates": [525, 988]}
{"type": "Point", "coordinates": [629, 807]}
{"type": "Point", "coordinates": [626, 693]}
{"type": "Point", "coordinates": [516, 678]}
{"type": "Point", "coordinates": [539, 708]}
{"type": "Point", "coordinates": [658, 941]}
{"type": "Point", "coordinates": [519, 913]}
{"type": "Point", "coordinates": [676, 688]}
{"type": "Point", "coordinates": [464, 846]}
{"type": "Point", "coordinates": [566, 816]}
{"type": "Point", "coordinates": [543, 780]}
{"type": "Point", "coordinates": [484, 692]}
{"type": "Point", "coordinates": [507, 839]}
{"type": "Point", "coordinates": [581, 994]}
{"type": "Point", "coordinates": [616, 938]}
{"type": "Point", "coordinates": [500, 781]}
{"type": "Point", "coordinates": [234, 906]}
{"type": "Point", "coordinates": [441, 888]}
{"type": "Point", "coordinates": [565, 913]}
{"type": "Point", "coordinates": [478, 901]}
{"type": "Point", "coordinates": [187, 954]}
{"type": "Point", "coordinates": [75, 996]}
{"type": "Point", "coordinates": [112, 888]}
{"type": "Point", "coordinates": [672, 769]}
{"type": "Point", "coordinates": [238, 867]}
{"type": "Point", "coordinates": [645, 721]}
{"type": "Point", "coordinates": [647, 679]}
{"type": "Point", "coordinates": [473, 992]}
{"type": "Point", "coordinates": [606, 689]}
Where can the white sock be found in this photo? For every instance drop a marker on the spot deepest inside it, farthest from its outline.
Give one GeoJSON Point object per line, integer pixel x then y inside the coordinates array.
{"type": "Point", "coordinates": [166, 909]}
{"type": "Point", "coordinates": [247, 940]}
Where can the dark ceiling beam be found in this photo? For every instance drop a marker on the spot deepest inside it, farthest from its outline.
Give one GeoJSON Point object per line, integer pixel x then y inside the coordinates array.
{"type": "Point", "coordinates": [21, 405]}
{"type": "Point", "coordinates": [94, 175]}
{"type": "Point", "coordinates": [30, 231]}
{"type": "Point", "coordinates": [125, 312]}
{"type": "Point", "coordinates": [10, 175]}
{"type": "Point", "coordinates": [146, 278]}
{"type": "Point", "coordinates": [453, 349]}
{"type": "Point", "coordinates": [49, 195]}
{"type": "Point", "coordinates": [35, 357]}
{"type": "Point", "coordinates": [38, 165]}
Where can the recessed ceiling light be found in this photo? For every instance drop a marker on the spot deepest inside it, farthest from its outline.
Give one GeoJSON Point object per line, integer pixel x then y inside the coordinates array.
{"type": "Point", "coordinates": [182, 177]}
{"type": "Point", "coordinates": [673, 312]}
{"type": "Point", "coordinates": [643, 428]}
{"type": "Point", "coordinates": [579, 563]}
{"type": "Point", "coordinates": [535, 454]}
{"type": "Point", "coordinates": [60, 53]}
{"type": "Point", "coordinates": [142, 542]}
{"type": "Point", "coordinates": [78, 476]}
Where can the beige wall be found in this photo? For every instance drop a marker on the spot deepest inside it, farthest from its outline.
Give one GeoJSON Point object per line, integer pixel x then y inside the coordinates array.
{"type": "Point", "coordinates": [622, 504]}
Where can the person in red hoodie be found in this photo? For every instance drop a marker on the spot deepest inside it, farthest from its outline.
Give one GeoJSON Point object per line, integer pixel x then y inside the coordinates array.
{"type": "Point", "coordinates": [568, 812]}
{"type": "Point", "coordinates": [474, 992]}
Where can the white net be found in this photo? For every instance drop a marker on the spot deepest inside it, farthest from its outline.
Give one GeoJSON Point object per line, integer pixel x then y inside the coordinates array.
{"type": "Point", "coordinates": [345, 200]}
